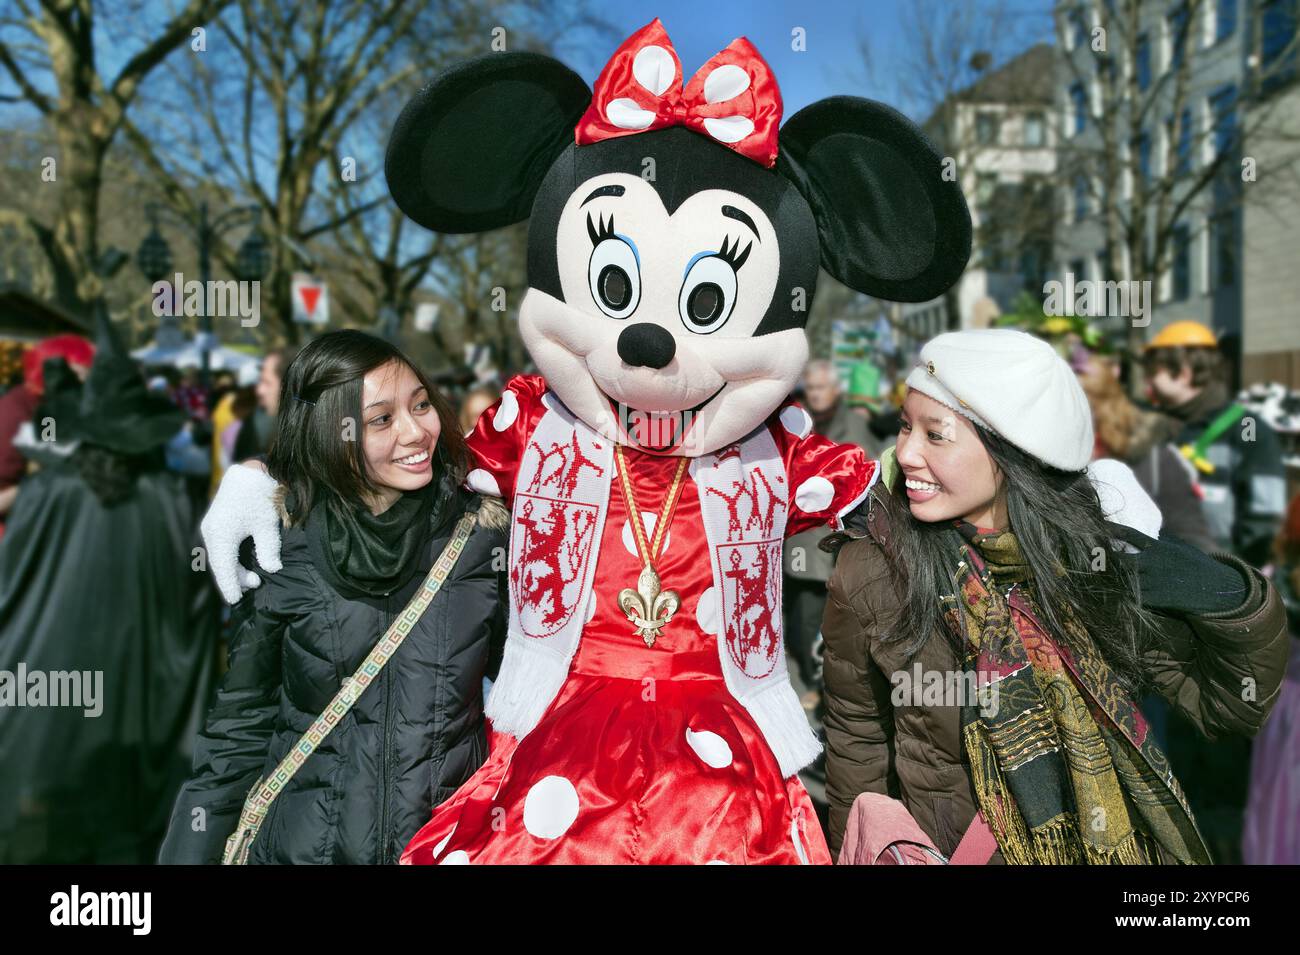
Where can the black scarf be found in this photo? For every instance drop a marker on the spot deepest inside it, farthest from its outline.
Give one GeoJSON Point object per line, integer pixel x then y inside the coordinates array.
{"type": "Point", "coordinates": [1212, 399]}
{"type": "Point", "coordinates": [361, 554]}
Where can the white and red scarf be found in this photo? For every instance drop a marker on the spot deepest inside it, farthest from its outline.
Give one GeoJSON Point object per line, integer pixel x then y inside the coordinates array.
{"type": "Point", "coordinates": [561, 490]}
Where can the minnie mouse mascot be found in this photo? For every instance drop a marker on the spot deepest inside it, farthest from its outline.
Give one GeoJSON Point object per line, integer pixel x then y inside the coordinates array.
{"type": "Point", "coordinates": [643, 712]}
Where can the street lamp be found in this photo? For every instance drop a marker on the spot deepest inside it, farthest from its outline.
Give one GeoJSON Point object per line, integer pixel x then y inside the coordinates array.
{"type": "Point", "coordinates": [252, 259]}
{"type": "Point", "coordinates": [154, 257]}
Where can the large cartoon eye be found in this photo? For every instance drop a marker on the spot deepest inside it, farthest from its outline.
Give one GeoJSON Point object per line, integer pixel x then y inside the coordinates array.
{"type": "Point", "coordinates": [615, 277]}
{"type": "Point", "coordinates": [708, 294]}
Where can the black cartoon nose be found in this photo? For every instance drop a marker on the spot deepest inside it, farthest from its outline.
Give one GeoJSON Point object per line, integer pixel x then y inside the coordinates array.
{"type": "Point", "coordinates": [645, 345]}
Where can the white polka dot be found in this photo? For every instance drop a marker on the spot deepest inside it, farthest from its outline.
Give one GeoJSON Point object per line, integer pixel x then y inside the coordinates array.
{"type": "Point", "coordinates": [506, 412]}
{"type": "Point", "coordinates": [724, 83]}
{"type": "Point", "coordinates": [483, 482]}
{"type": "Point", "coordinates": [717, 862]}
{"type": "Point", "coordinates": [710, 747]}
{"type": "Point", "coordinates": [459, 857]}
{"type": "Point", "coordinates": [591, 607]}
{"type": "Point", "coordinates": [550, 807]}
{"type": "Point", "coordinates": [648, 522]}
{"type": "Point", "coordinates": [798, 843]}
{"type": "Point", "coordinates": [625, 114]}
{"type": "Point", "coordinates": [706, 611]}
{"type": "Point", "coordinates": [814, 494]}
{"type": "Point", "coordinates": [654, 69]}
{"type": "Point", "coordinates": [797, 421]}
{"type": "Point", "coordinates": [728, 129]}
{"type": "Point", "coordinates": [437, 850]}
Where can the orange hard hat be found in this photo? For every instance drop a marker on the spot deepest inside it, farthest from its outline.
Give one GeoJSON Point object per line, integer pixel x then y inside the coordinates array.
{"type": "Point", "coordinates": [1183, 334]}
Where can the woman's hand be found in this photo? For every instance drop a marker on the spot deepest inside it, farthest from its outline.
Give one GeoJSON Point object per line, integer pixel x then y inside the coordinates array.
{"type": "Point", "coordinates": [1174, 576]}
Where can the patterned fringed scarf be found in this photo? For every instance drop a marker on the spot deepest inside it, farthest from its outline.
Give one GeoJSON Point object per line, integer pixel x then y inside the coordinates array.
{"type": "Point", "coordinates": [1063, 765]}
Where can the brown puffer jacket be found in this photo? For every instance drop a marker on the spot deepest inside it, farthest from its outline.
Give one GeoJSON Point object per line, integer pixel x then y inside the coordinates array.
{"type": "Point", "coordinates": [914, 753]}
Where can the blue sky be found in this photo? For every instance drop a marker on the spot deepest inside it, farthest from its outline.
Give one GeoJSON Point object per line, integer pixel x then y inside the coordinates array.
{"type": "Point", "coordinates": [831, 63]}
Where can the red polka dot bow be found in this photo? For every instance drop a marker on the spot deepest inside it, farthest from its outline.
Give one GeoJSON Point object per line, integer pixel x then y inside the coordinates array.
{"type": "Point", "coordinates": [733, 99]}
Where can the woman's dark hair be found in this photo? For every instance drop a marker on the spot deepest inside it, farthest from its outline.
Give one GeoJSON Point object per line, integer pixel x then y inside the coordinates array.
{"type": "Point", "coordinates": [111, 475]}
{"type": "Point", "coordinates": [317, 451]}
{"type": "Point", "coordinates": [244, 402]}
{"type": "Point", "coordinates": [1058, 522]}
{"type": "Point", "coordinates": [1206, 363]}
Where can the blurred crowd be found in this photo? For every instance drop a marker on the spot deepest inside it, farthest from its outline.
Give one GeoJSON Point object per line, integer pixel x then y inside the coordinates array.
{"type": "Point", "coordinates": [106, 468]}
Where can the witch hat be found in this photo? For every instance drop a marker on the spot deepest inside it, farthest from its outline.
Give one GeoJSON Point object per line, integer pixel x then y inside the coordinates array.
{"type": "Point", "coordinates": [116, 410]}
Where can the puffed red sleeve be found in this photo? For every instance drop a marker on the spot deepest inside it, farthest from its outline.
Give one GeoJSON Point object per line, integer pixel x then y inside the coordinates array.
{"type": "Point", "coordinates": [827, 480]}
{"type": "Point", "coordinates": [498, 440]}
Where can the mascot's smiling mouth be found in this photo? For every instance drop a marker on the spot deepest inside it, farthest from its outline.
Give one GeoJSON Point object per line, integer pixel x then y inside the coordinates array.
{"type": "Point", "coordinates": [658, 432]}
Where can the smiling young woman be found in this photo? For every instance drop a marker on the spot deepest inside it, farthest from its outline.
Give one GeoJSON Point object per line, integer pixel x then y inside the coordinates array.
{"type": "Point", "coordinates": [987, 555]}
{"type": "Point", "coordinates": [371, 463]}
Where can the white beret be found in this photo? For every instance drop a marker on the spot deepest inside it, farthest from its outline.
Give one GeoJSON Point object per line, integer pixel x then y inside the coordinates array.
{"type": "Point", "coordinates": [1013, 384]}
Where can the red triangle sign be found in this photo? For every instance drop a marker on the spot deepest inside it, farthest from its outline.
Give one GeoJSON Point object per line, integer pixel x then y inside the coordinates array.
{"type": "Point", "coordinates": [310, 296]}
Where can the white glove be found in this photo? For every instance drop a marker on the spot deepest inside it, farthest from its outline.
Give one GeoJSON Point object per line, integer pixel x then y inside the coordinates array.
{"type": "Point", "coordinates": [1123, 500]}
{"type": "Point", "coordinates": [244, 507]}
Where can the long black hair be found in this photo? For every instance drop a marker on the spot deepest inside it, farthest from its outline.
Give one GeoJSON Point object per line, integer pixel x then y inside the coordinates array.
{"type": "Point", "coordinates": [317, 451]}
{"type": "Point", "coordinates": [1057, 519]}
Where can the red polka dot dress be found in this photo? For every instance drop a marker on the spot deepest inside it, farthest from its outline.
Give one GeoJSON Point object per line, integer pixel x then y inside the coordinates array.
{"type": "Point", "coordinates": [645, 754]}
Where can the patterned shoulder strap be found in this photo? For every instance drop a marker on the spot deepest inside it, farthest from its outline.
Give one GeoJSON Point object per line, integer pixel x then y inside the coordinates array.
{"type": "Point", "coordinates": [264, 792]}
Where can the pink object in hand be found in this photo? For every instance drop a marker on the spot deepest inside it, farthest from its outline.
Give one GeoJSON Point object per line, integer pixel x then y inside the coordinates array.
{"type": "Point", "coordinates": [881, 831]}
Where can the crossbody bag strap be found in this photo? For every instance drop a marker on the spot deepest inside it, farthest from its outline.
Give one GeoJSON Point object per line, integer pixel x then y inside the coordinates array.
{"type": "Point", "coordinates": [265, 790]}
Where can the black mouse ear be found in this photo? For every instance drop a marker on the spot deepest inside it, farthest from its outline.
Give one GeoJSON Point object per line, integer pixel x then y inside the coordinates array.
{"type": "Point", "coordinates": [891, 223]}
{"type": "Point", "coordinates": [469, 151]}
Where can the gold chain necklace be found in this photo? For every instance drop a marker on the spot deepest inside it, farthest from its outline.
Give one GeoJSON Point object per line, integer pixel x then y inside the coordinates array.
{"type": "Point", "coordinates": [648, 607]}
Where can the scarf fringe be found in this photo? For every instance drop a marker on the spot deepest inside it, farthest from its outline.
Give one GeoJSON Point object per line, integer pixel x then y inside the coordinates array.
{"type": "Point", "coordinates": [781, 719]}
{"type": "Point", "coordinates": [1057, 842]}
{"type": "Point", "coordinates": [531, 677]}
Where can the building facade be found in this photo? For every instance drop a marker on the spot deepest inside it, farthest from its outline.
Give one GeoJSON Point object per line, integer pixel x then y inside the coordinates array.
{"type": "Point", "coordinates": [1159, 106]}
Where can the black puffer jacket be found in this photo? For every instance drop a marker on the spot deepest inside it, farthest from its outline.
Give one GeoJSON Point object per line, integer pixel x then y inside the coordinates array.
{"type": "Point", "coordinates": [410, 740]}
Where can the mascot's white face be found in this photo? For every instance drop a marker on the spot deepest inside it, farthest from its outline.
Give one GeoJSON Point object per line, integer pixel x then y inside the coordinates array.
{"type": "Point", "coordinates": [653, 343]}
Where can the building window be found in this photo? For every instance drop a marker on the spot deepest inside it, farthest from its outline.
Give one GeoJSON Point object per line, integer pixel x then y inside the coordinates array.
{"type": "Point", "coordinates": [1181, 137]}
{"type": "Point", "coordinates": [1277, 30]}
{"type": "Point", "coordinates": [1181, 267]}
{"type": "Point", "coordinates": [1142, 61]}
{"type": "Point", "coordinates": [986, 128]}
{"type": "Point", "coordinates": [1035, 130]}
{"type": "Point", "coordinates": [1078, 27]}
{"type": "Point", "coordinates": [1177, 23]}
{"type": "Point", "coordinates": [985, 184]}
{"type": "Point", "coordinates": [1144, 155]}
{"type": "Point", "coordinates": [1076, 269]}
{"type": "Point", "coordinates": [1079, 98]}
{"type": "Point", "coordinates": [1105, 70]}
{"type": "Point", "coordinates": [1225, 19]}
{"type": "Point", "coordinates": [1223, 114]}
{"type": "Point", "coordinates": [1080, 198]}
{"type": "Point", "coordinates": [1223, 248]}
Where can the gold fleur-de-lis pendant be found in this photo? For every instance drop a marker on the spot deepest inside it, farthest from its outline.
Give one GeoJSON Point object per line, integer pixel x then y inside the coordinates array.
{"type": "Point", "coordinates": [648, 607]}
